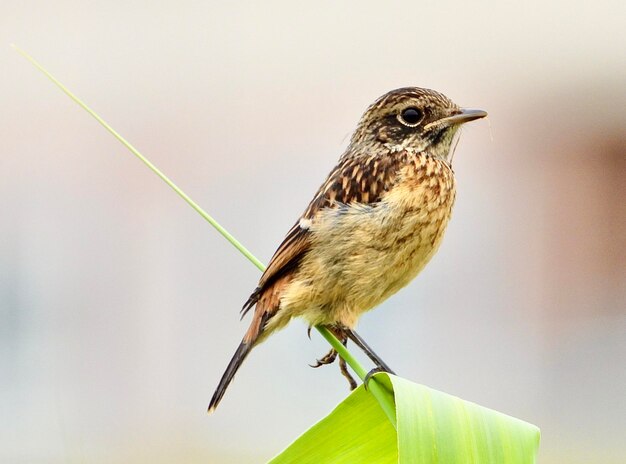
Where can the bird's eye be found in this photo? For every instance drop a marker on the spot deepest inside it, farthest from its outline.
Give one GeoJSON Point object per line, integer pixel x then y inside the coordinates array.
{"type": "Point", "coordinates": [411, 116]}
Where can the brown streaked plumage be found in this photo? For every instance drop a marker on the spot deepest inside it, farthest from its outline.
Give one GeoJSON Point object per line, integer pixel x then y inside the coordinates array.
{"type": "Point", "coordinates": [371, 227]}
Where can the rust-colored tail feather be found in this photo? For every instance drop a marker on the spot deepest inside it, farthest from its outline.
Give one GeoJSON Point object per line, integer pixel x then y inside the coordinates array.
{"type": "Point", "coordinates": [234, 364]}
{"type": "Point", "coordinates": [267, 302]}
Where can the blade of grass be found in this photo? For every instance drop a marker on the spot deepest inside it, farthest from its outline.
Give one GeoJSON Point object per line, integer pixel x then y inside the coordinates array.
{"type": "Point", "coordinates": [384, 398]}
{"type": "Point", "coordinates": [144, 160]}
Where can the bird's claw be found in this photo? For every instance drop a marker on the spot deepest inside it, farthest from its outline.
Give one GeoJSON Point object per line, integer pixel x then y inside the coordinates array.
{"type": "Point", "coordinates": [329, 358]}
{"type": "Point", "coordinates": [371, 373]}
{"type": "Point", "coordinates": [344, 371]}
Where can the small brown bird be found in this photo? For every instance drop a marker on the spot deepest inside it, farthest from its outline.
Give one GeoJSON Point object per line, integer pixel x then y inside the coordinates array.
{"type": "Point", "coordinates": [370, 229]}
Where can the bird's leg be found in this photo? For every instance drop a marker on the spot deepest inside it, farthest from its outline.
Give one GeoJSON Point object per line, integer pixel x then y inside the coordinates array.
{"type": "Point", "coordinates": [342, 335]}
{"type": "Point", "coordinates": [381, 366]}
{"type": "Point", "coordinates": [330, 357]}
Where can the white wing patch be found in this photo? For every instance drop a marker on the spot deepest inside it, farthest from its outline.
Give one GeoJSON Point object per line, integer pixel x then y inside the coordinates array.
{"type": "Point", "coordinates": [305, 224]}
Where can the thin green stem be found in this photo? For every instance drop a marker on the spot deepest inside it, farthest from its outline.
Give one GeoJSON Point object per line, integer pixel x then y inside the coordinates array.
{"type": "Point", "coordinates": [376, 389]}
{"type": "Point", "coordinates": [147, 162]}
{"type": "Point", "coordinates": [384, 398]}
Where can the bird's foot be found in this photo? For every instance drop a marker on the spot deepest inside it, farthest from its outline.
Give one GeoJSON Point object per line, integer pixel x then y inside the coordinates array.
{"type": "Point", "coordinates": [329, 358]}
{"type": "Point", "coordinates": [371, 373]}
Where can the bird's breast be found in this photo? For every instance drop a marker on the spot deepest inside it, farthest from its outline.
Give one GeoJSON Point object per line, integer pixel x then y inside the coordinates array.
{"type": "Point", "coordinates": [362, 253]}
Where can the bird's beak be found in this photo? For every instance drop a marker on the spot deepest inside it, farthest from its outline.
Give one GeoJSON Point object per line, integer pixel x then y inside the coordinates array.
{"type": "Point", "coordinates": [465, 115]}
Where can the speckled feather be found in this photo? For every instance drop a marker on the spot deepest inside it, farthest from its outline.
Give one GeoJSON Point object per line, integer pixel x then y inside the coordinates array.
{"type": "Point", "coordinates": [358, 254]}
{"type": "Point", "coordinates": [353, 181]}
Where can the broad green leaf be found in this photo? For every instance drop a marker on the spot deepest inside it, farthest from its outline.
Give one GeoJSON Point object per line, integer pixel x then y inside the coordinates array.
{"type": "Point", "coordinates": [356, 431]}
{"type": "Point", "coordinates": [432, 428]}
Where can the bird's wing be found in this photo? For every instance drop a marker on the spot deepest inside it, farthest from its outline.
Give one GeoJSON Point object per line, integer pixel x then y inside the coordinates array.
{"type": "Point", "coordinates": [354, 180]}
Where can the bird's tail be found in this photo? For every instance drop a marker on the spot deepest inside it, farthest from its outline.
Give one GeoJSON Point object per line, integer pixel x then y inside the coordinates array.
{"type": "Point", "coordinates": [266, 307]}
{"type": "Point", "coordinates": [255, 334]}
{"type": "Point", "coordinates": [234, 364]}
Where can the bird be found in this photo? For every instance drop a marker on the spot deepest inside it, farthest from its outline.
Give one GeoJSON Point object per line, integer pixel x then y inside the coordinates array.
{"type": "Point", "coordinates": [372, 226]}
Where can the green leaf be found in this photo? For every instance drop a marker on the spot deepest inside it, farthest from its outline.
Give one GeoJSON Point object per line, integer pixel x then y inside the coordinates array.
{"type": "Point", "coordinates": [356, 431]}
{"type": "Point", "coordinates": [432, 428]}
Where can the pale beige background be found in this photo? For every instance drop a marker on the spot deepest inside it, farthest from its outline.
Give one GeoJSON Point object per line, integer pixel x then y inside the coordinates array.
{"type": "Point", "coordinates": [119, 305]}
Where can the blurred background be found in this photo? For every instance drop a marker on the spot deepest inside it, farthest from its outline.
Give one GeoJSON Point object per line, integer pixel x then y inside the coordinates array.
{"type": "Point", "coordinates": [119, 304]}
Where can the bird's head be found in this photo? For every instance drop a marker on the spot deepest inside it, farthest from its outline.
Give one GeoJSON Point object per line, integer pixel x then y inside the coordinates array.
{"type": "Point", "coordinates": [412, 118]}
